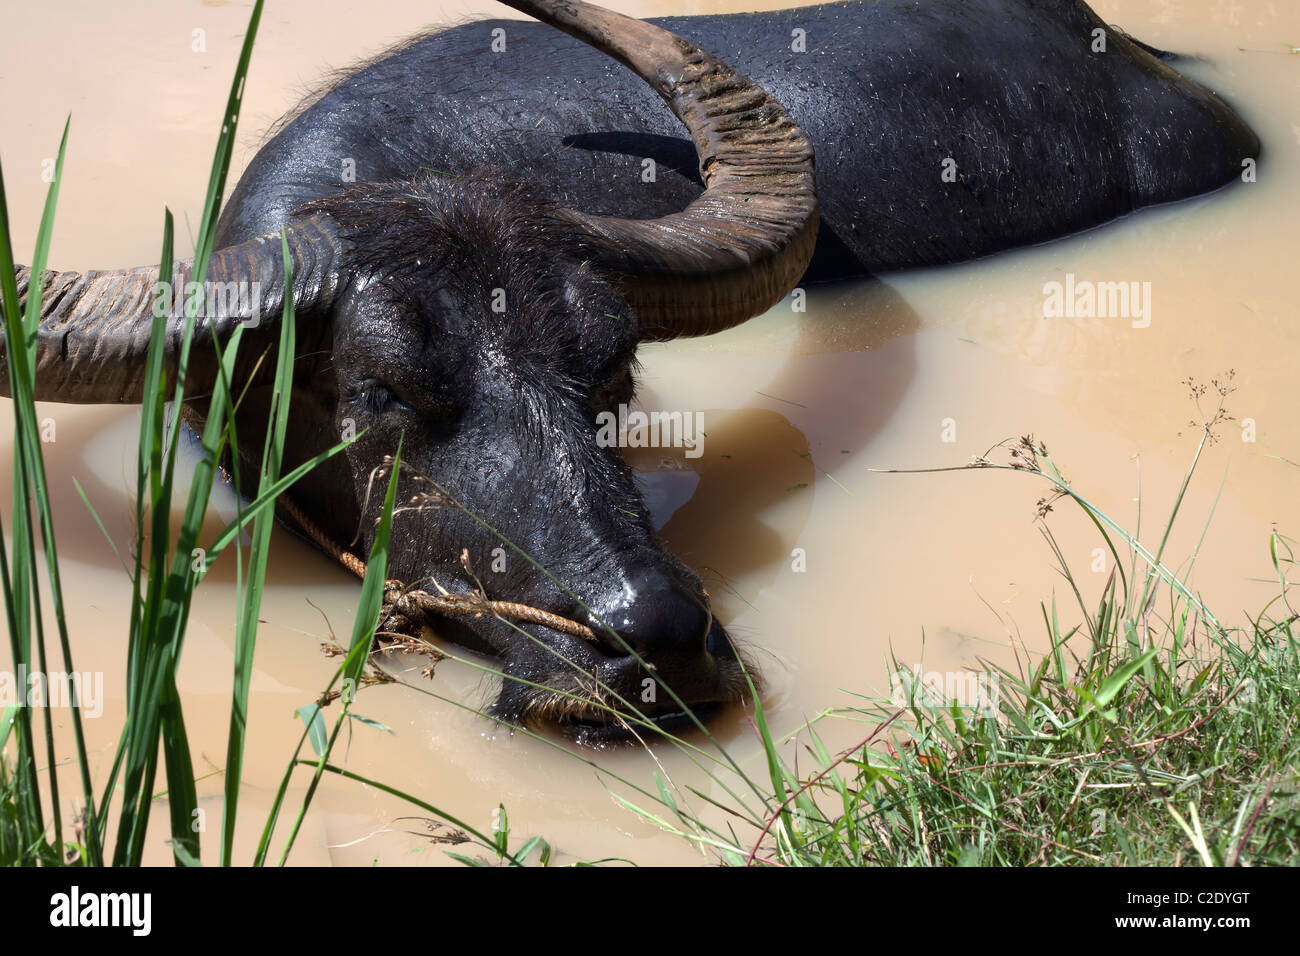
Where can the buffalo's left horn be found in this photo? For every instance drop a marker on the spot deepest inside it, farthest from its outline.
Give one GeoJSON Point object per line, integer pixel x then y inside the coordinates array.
{"type": "Point", "coordinates": [741, 245]}
{"type": "Point", "coordinates": [94, 330]}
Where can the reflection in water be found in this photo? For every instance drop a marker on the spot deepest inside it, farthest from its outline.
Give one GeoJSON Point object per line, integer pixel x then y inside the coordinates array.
{"type": "Point", "coordinates": [941, 570]}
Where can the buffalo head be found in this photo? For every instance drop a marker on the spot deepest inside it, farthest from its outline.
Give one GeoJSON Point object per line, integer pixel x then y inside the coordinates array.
{"type": "Point", "coordinates": [487, 329]}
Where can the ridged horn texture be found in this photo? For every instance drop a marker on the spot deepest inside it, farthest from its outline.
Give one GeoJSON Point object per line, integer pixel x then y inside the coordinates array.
{"type": "Point", "coordinates": [93, 339]}
{"type": "Point", "coordinates": [745, 242]}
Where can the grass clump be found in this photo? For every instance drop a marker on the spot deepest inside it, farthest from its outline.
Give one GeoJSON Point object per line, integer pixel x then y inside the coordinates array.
{"type": "Point", "coordinates": [1148, 734]}
{"type": "Point", "coordinates": [1182, 751]}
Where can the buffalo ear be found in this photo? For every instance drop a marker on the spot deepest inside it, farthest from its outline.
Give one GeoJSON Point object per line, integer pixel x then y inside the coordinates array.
{"type": "Point", "coordinates": [93, 339]}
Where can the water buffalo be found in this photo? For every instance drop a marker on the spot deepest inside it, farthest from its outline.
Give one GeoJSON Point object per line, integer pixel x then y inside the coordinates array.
{"type": "Point", "coordinates": [461, 278]}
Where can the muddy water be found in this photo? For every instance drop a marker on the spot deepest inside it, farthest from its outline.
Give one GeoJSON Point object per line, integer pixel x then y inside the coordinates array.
{"type": "Point", "coordinates": [938, 569]}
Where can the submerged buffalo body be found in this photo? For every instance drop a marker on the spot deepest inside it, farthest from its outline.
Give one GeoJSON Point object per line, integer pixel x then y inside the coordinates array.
{"type": "Point", "coordinates": [462, 283]}
{"type": "Point", "coordinates": [1046, 126]}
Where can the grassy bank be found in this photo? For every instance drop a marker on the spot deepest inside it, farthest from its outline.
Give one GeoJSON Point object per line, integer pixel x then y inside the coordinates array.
{"type": "Point", "coordinates": [1148, 734]}
{"type": "Point", "coordinates": [1122, 746]}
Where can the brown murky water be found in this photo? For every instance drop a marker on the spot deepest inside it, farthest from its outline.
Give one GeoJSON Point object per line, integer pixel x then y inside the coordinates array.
{"type": "Point", "coordinates": [941, 569]}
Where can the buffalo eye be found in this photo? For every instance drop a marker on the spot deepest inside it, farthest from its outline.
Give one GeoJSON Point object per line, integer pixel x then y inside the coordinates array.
{"type": "Point", "coordinates": [618, 389]}
{"type": "Point", "coordinates": [375, 396]}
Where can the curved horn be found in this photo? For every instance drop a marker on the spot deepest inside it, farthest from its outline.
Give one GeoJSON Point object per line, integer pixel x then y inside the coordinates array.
{"type": "Point", "coordinates": [745, 242]}
{"type": "Point", "coordinates": [94, 330]}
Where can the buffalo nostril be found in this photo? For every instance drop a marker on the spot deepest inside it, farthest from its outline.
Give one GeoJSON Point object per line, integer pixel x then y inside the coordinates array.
{"type": "Point", "coordinates": [718, 643]}
{"type": "Point", "coordinates": [656, 617]}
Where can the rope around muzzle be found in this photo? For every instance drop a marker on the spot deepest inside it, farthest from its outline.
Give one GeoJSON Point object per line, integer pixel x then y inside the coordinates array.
{"type": "Point", "coordinates": [415, 605]}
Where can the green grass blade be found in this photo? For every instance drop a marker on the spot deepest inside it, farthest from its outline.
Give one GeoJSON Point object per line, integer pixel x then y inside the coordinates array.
{"type": "Point", "coordinates": [246, 633]}
{"type": "Point", "coordinates": [33, 486]}
{"type": "Point", "coordinates": [363, 636]}
{"type": "Point", "coordinates": [171, 579]}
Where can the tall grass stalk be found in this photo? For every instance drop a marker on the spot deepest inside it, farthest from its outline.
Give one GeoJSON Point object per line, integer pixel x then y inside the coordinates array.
{"type": "Point", "coordinates": [165, 571]}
